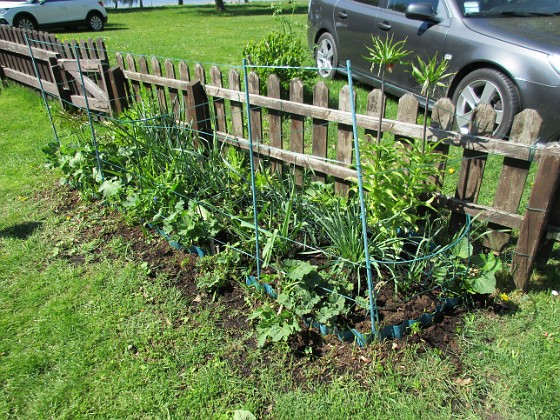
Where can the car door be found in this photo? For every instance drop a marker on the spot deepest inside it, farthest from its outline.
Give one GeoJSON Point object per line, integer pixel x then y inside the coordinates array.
{"type": "Point", "coordinates": [355, 21]}
{"type": "Point", "coordinates": [424, 39]}
{"type": "Point", "coordinates": [77, 10]}
{"type": "Point", "coordinates": [51, 11]}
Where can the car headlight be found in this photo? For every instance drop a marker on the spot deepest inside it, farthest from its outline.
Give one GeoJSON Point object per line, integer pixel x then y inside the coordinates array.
{"type": "Point", "coordinates": [554, 61]}
{"type": "Point", "coordinates": [3, 11]}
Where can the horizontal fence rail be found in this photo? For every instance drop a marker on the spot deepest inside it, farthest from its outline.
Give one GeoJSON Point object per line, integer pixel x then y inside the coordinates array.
{"type": "Point", "coordinates": [293, 128]}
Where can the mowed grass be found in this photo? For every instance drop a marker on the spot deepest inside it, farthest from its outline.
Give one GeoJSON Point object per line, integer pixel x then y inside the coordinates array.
{"type": "Point", "coordinates": [102, 338]}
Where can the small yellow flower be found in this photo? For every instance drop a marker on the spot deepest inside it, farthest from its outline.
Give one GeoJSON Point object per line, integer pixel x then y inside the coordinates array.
{"type": "Point", "coordinates": [451, 171]}
{"type": "Point", "coordinates": [504, 297]}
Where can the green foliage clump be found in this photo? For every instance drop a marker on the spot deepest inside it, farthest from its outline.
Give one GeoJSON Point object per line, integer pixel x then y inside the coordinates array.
{"type": "Point", "coordinates": [398, 183]}
{"type": "Point", "coordinates": [217, 271]}
{"type": "Point", "coordinates": [304, 294]}
{"type": "Point", "coordinates": [279, 52]}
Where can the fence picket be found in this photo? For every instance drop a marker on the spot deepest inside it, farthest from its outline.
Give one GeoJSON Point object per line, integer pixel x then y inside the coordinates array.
{"type": "Point", "coordinates": [173, 92]}
{"type": "Point", "coordinates": [320, 127]}
{"type": "Point", "coordinates": [160, 89]}
{"type": "Point", "coordinates": [525, 129]}
{"type": "Point", "coordinates": [297, 125]}
{"type": "Point", "coordinates": [219, 104]}
{"type": "Point", "coordinates": [236, 107]}
{"type": "Point", "coordinates": [375, 102]}
{"type": "Point", "coordinates": [442, 117]}
{"type": "Point", "coordinates": [275, 118]}
{"type": "Point", "coordinates": [131, 63]}
{"type": "Point", "coordinates": [345, 140]}
{"type": "Point", "coordinates": [256, 112]}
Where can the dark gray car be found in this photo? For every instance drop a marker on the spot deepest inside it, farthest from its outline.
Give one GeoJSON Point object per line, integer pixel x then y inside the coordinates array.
{"type": "Point", "coordinates": [502, 52]}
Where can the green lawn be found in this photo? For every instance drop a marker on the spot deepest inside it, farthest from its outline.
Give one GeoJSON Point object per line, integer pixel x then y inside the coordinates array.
{"type": "Point", "coordinates": [100, 337]}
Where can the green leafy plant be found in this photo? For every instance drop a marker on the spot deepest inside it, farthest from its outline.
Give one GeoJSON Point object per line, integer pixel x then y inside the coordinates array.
{"type": "Point", "coordinates": [274, 325]}
{"type": "Point", "coordinates": [279, 52]}
{"type": "Point", "coordinates": [385, 54]}
{"type": "Point", "coordinates": [465, 271]}
{"type": "Point", "coordinates": [217, 271]}
{"type": "Point", "coordinates": [394, 178]}
{"type": "Point", "coordinates": [430, 75]}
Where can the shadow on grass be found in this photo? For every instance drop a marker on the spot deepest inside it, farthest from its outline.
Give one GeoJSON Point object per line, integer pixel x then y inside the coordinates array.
{"type": "Point", "coordinates": [21, 230]}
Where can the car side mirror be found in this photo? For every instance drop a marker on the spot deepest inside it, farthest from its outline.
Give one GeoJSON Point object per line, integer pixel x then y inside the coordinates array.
{"type": "Point", "coordinates": [421, 11]}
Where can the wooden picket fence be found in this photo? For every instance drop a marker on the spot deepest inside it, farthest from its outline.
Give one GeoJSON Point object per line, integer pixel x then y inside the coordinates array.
{"type": "Point", "coordinates": [294, 131]}
{"type": "Point", "coordinates": [77, 73]}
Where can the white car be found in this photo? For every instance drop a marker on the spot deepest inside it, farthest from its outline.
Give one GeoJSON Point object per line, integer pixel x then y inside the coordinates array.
{"type": "Point", "coordinates": [36, 14]}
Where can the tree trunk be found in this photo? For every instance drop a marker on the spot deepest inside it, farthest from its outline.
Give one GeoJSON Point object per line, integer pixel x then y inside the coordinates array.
{"type": "Point", "coordinates": [220, 5]}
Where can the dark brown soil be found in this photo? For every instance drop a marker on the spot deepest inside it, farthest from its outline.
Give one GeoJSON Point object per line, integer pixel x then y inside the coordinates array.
{"type": "Point", "coordinates": [327, 356]}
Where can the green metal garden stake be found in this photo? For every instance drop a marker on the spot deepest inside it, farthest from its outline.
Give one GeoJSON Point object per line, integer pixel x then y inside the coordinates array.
{"type": "Point", "coordinates": [371, 291]}
{"type": "Point", "coordinates": [252, 161]}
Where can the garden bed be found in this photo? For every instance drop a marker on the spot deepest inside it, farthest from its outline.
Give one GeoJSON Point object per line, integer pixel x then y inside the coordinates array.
{"type": "Point", "coordinates": [331, 356]}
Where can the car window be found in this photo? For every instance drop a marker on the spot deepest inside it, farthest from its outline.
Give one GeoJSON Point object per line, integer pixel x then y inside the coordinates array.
{"type": "Point", "coordinates": [401, 5]}
{"type": "Point", "coordinates": [507, 8]}
{"type": "Point", "coordinates": [369, 2]}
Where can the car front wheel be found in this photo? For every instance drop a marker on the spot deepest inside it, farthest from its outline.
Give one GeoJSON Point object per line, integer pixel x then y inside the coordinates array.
{"type": "Point", "coordinates": [25, 22]}
{"type": "Point", "coordinates": [326, 56]}
{"type": "Point", "coordinates": [487, 86]}
{"type": "Point", "coordinates": [95, 21]}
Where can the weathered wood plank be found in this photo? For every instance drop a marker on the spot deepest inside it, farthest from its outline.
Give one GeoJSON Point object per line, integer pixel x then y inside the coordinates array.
{"type": "Point", "coordinates": [345, 138]}
{"type": "Point", "coordinates": [131, 63]}
{"type": "Point", "coordinates": [375, 102]}
{"type": "Point", "coordinates": [275, 118]}
{"type": "Point", "coordinates": [474, 162]}
{"type": "Point", "coordinates": [465, 141]}
{"type": "Point", "coordinates": [525, 129]}
{"type": "Point", "coordinates": [236, 107]}
{"type": "Point", "coordinates": [320, 127]}
{"type": "Point", "coordinates": [533, 230]}
{"type": "Point", "coordinates": [143, 64]}
{"type": "Point", "coordinates": [173, 92]}
{"type": "Point", "coordinates": [32, 81]}
{"type": "Point", "coordinates": [93, 103]}
{"type": "Point", "coordinates": [484, 213]}
{"type": "Point", "coordinates": [297, 125]}
{"type": "Point", "coordinates": [296, 159]}
{"type": "Point", "coordinates": [219, 103]}
{"type": "Point", "coordinates": [255, 112]}
{"type": "Point", "coordinates": [443, 116]}
{"type": "Point", "coordinates": [407, 112]}
{"type": "Point", "coordinates": [23, 49]}
{"type": "Point", "coordinates": [160, 89]}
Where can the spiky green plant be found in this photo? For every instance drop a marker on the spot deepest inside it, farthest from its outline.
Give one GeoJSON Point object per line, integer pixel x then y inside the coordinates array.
{"type": "Point", "coordinates": [386, 54]}
{"type": "Point", "coordinates": [430, 74]}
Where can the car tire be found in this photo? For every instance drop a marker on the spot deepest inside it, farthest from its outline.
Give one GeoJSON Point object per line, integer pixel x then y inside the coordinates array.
{"type": "Point", "coordinates": [95, 22]}
{"type": "Point", "coordinates": [486, 86]}
{"type": "Point", "coordinates": [25, 22]}
{"type": "Point", "coordinates": [326, 56]}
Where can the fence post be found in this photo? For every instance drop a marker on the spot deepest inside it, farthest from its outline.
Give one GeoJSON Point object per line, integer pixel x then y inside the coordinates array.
{"type": "Point", "coordinates": [533, 228]}
{"type": "Point", "coordinates": [525, 129]}
{"type": "Point", "coordinates": [118, 90]}
{"type": "Point", "coordinates": [198, 111]}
